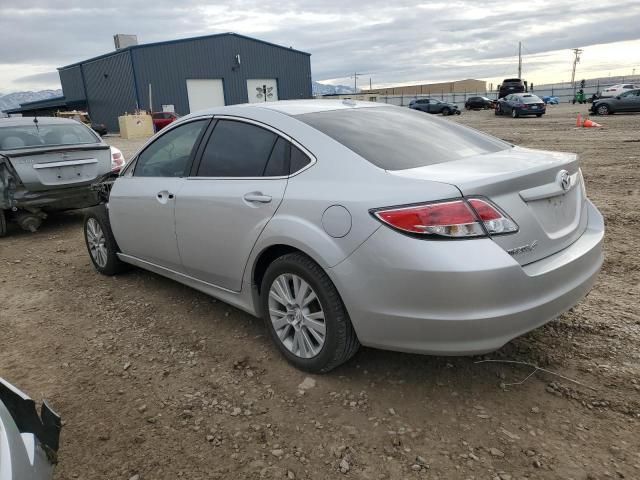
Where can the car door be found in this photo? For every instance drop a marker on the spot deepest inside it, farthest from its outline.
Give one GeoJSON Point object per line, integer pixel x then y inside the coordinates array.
{"type": "Point", "coordinates": [234, 189]}
{"type": "Point", "coordinates": [634, 101]}
{"type": "Point", "coordinates": [421, 105]}
{"type": "Point", "coordinates": [506, 107]}
{"type": "Point", "coordinates": [628, 102]}
{"type": "Point", "coordinates": [142, 200]}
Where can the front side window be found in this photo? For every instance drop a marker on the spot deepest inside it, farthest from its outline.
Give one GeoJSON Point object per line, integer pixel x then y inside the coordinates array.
{"type": "Point", "coordinates": [237, 149]}
{"type": "Point", "coordinates": [170, 154]}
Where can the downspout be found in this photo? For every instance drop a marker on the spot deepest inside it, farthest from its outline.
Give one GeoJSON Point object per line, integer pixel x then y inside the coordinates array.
{"type": "Point", "coordinates": [84, 88]}
{"type": "Point", "coordinates": [135, 79]}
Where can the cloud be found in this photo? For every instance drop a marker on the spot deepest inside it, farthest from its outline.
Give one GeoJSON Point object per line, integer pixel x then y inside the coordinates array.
{"type": "Point", "coordinates": [400, 41]}
{"type": "Point", "coordinates": [45, 79]}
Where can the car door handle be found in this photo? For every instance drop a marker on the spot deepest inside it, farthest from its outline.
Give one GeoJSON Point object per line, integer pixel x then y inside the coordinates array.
{"type": "Point", "coordinates": [257, 197]}
{"type": "Point", "coordinates": [164, 196]}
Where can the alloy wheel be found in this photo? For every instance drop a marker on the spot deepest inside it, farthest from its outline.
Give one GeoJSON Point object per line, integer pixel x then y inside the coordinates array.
{"type": "Point", "coordinates": [97, 243]}
{"type": "Point", "coordinates": [603, 110]}
{"type": "Point", "coordinates": [297, 315]}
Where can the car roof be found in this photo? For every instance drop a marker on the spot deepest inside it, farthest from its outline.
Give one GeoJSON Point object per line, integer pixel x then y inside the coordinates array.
{"type": "Point", "coordinates": [296, 107]}
{"type": "Point", "coordinates": [26, 121]}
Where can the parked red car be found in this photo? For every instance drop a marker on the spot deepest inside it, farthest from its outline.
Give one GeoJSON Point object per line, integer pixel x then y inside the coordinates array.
{"type": "Point", "coordinates": [162, 119]}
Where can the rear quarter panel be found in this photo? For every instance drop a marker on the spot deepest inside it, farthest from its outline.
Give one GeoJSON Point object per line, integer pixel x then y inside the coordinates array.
{"type": "Point", "coordinates": [339, 177]}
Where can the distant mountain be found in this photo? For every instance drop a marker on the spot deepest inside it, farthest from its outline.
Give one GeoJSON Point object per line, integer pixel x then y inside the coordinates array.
{"type": "Point", "coordinates": [325, 89]}
{"type": "Point", "coordinates": [13, 100]}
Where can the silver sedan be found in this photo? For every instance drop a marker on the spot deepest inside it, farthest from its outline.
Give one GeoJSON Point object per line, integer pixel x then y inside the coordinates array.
{"type": "Point", "coordinates": [344, 223]}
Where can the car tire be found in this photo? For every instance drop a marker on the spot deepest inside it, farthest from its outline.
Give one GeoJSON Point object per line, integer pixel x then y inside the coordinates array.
{"type": "Point", "coordinates": [3, 223]}
{"type": "Point", "coordinates": [446, 111]}
{"type": "Point", "coordinates": [100, 242]}
{"type": "Point", "coordinates": [467, 107]}
{"type": "Point", "coordinates": [497, 110]}
{"type": "Point", "coordinates": [514, 113]}
{"type": "Point", "coordinates": [603, 109]}
{"type": "Point", "coordinates": [340, 342]}
{"type": "Point", "coordinates": [538, 115]}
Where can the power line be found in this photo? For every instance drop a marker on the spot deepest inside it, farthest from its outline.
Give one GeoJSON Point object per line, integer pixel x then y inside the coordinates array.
{"type": "Point", "coordinates": [576, 59]}
{"type": "Point", "coordinates": [355, 80]}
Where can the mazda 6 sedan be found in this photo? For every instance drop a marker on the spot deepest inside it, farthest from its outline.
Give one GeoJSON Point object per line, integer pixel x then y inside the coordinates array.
{"type": "Point", "coordinates": [345, 224]}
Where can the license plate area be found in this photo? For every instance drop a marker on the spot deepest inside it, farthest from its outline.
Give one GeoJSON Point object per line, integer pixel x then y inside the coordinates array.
{"type": "Point", "coordinates": [67, 172]}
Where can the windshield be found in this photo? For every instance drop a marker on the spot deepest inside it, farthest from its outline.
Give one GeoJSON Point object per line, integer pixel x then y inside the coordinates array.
{"type": "Point", "coordinates": [396, 138]}
{"type": "Point", "coordinates": [29, 136]}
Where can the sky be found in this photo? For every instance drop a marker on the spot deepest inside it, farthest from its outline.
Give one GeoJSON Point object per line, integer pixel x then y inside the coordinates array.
{"type": "Point", "coordinates": [391, 42]}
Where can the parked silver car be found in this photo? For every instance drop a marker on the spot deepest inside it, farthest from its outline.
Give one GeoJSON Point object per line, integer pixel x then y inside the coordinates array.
{"type": "Point", "coordinates": [47, 164]}
{"type": "Point", "coordinates": [28, 442]}
{"type": "Point", "coordinates": [344, 223]}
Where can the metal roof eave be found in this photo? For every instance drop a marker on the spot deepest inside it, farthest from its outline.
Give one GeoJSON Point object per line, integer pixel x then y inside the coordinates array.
{"type": "Point", "coordinates": [179, 40]}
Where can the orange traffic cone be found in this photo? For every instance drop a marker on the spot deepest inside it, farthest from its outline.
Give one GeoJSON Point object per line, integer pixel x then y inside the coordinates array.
{"type": "Point", "coordinates": [579, 121]}
{"type": "Point", "coordinates": [590, 124]}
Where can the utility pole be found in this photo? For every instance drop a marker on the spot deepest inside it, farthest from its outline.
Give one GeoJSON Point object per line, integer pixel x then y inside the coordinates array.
{"type": "Point", "coordinates": [576, 59]}
{"type": "Point", "coordinates": [355, 81]}
{"type": "Point", "coordinates": [634, 71]}
{"type": "Point", "coordinates": [520, 60]}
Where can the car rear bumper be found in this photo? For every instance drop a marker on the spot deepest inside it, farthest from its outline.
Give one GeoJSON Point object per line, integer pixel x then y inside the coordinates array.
{"type": "Point", "coordinates": [460, 297]}
{"type": "Point", "coordinates": [529, 111]}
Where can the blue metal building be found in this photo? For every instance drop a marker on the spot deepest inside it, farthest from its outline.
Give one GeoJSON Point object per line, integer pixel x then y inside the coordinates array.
{"type": "Point", "coordinates": [186, 75]}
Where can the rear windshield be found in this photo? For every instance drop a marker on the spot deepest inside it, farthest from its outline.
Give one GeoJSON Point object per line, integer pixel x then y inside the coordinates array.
{"type": "Point", "coordinates": [30, 136]}
{"type": "Point", "coordinates": [396, 138]}
{"type": "Point", "coordinates": [531, 99]}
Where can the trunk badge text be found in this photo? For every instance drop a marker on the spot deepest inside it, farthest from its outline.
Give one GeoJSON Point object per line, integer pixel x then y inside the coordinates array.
{"type": "Point", "coordinates": [564, 179]}
{"type": "Point", "coordinates": [523, 249]}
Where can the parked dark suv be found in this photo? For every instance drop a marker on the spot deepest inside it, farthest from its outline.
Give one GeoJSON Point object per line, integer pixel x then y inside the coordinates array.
{"type": "Point", "coordinates": [479, 102]}
{"type": "Point", "coordinates": [431, 105]}
{"type": "Point", "coordinates": [512, 85]}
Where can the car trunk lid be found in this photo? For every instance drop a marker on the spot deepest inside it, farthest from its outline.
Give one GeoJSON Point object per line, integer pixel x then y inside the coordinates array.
{"type": "Point", "coordinates": [543, 192]}
{"type": "Point", "coordinates": [58, 167]}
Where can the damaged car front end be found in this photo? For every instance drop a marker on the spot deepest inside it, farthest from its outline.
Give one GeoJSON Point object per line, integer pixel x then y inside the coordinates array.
{"type": "Point", "coordinates": [28, 442]}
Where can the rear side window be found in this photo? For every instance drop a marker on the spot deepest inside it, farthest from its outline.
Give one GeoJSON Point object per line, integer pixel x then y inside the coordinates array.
{"type": "Point", "coordinates": [396, 138]}
{"type": "Point", "coordinates": [237, 149]}
{"type": "Point", "coordinates": [298, 159]}
{"type": "Point", "coordinates": [278, 164]}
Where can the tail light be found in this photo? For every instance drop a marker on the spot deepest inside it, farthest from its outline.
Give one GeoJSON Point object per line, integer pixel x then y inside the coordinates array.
{"type": "Point", "coordinates": [117, 161]}
{"type": "Point", "coordinates": [468, 218]}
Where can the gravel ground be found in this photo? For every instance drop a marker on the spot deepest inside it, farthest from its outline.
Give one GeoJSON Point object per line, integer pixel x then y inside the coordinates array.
{"type": "Point", "coordinates": [157, 381]}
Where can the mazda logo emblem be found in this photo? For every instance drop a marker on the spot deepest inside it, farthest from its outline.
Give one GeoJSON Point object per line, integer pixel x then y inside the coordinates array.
{"type": "Point", "coordinates": [564, 179]}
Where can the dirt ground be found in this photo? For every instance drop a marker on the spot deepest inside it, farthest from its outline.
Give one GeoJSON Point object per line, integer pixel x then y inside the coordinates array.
{"type": "Point", "coordinates": [157, 381]}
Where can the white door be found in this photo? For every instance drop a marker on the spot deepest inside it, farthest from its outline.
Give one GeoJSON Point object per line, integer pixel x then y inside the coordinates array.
{"type": "Point", "coordinates": [262, 90]}
{"type": "Point", "coordinates": [205, 93]}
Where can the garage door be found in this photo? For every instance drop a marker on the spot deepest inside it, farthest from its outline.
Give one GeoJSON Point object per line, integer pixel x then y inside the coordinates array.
{"type": "Point", "coordinates": [262, 90]}
{"type": "Point", "coordinates": [205, 93]}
